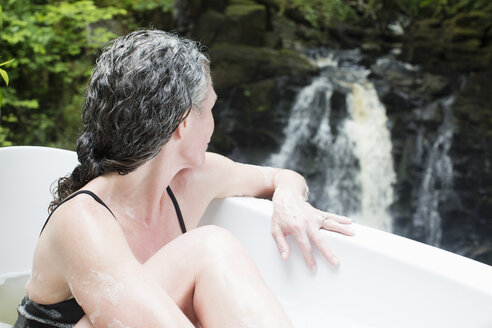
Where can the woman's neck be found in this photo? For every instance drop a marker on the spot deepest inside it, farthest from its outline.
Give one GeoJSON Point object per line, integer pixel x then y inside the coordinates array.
{"type": "Point", "coordinates": [139, 193]}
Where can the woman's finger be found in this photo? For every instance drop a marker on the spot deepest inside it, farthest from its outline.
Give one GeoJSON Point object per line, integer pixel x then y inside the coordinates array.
{"type": "Point", "coordinates": [306, 249]}
{"type": "Point", "coordinates": [337, 218]}
{"type": "Point", "coordinates": [322, 245]}
{"type": "Point", "coordinates": [332, 225]}
{"type": "Point", "coordinates": [279, 237]}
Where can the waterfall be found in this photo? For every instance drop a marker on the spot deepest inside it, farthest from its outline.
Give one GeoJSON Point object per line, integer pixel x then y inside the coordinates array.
{"type": "Point", "coordinates": [437, 177]}
{"type": "Point", "coordinates": [368, 128]}
{"type": "Point", "coordinates": [337, 131]}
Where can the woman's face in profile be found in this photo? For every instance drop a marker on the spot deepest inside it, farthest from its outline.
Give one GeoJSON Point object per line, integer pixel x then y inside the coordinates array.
{"type": "Point", "coordinates": [202, 126]}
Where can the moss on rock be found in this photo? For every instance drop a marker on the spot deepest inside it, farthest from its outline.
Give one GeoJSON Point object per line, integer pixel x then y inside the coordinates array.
{"type": "Point", "coordinates": [474, 19]}
{"type": "Point", "coordinates": [461, 34]}
{"type": "Point", "coordinates": [238, 64]}
{"type": "Point", "coordinates": [209, 26]}
{"type": "Point", "coordinates": [459, 43]}
{"type": "Point", "coordinates": [245, 23]}
{"type": "Point", "coordinates": [237, 8]}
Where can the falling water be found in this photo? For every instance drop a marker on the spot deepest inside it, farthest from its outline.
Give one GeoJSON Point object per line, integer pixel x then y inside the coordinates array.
{"type": "Point", "coordinates": [368, 128]}
{"type": "Point", "coordinates": [338, 127]}
{"type": "Point", "coordinates": [437, 177]}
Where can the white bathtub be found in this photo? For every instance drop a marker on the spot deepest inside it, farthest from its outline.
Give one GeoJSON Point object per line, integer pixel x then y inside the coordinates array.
{"type": "Point", "coordinates": [383, 281]}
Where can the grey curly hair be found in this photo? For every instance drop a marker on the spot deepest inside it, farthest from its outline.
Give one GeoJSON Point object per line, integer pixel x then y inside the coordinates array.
{"type": "Point", "coordinates": [142, 87]}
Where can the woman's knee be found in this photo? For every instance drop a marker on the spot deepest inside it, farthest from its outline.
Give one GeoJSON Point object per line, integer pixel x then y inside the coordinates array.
{"type": "Point", "coordinates": [216, 239]}
{"type": "Point", "coordinates": [201, 250]}
{"type": "Point", "coordinates": [219, 246]}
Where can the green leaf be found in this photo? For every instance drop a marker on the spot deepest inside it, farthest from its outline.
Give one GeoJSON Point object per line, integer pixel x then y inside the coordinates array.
{"type": "Point", "coordinates": [7, 62]}
{"type": "Point", "coordinates": [1, 17]}
{"type": "Point", "coordinates": [31, 104]}
{"type": "Point", "coordinates": [5, 76]}
{"type": "Point", "coordinates": [10, 118]}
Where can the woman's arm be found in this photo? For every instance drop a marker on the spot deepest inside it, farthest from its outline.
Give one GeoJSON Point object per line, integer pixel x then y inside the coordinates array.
{"type": "Point", "coordinates": [292, 214]}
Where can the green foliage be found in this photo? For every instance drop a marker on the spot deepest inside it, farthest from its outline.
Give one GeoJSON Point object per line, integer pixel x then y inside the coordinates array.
{"type": "Point", "coordinates": [321, 13]}
{"type": "Point", "coordinates": [3, 73]}
{"type": "Point", "coordinates": [140, 5]}
{"type": "Point", "coordinates": [54, 43]}
{"type": "Point", "coordinates": [4, 76]}
{"type": "Point", "coordinates": [164, 5]}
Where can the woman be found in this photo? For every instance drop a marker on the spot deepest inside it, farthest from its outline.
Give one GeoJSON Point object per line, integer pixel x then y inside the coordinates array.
{"type": "Point", "coordinates": [113, 252]}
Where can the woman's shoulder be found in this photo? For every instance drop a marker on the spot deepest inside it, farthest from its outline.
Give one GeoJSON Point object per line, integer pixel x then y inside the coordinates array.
{"type": "Point", "coordinates": [81, 232]}
{"type": "Point", "coordinates": [209, 171]}
{"type": "Point", "coordinates": [76, 228]}
{"type": "Point", "coordinates": [81, 214]}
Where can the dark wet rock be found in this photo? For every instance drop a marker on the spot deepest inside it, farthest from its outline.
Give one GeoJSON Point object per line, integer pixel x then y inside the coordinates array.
{"type": "Point", "coordinates": [460, 43]}
{"type": "Point", "coordinates": [472, 148]}
{"type": "Point", "coordinates": [209, 26]}
{"type": "Point", "coordinates": [237, 64]}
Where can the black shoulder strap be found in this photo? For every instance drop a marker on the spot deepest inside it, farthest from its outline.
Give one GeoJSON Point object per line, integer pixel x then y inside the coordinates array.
{"type": "Point", "coordinates": [88, 192]}
{"type": "Point", "coordinates": [178, 210]}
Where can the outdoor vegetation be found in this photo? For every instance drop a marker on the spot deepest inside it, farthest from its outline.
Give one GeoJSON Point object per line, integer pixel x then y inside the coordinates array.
{"type": "Point", "coordinates": [54, 44]}
{"type": "Point", "coordinates": [47, 48]}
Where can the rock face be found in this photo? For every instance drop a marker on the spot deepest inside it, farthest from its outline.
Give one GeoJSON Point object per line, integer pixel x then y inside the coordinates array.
{"type": "Point", "coordinates": [472, 156]}
{"type": "Point", "coordinates": [261, 58]}
{"type": "Point", "coordinates": [460, 47]}
{"type": "Point", "coordinates": [461, 43]}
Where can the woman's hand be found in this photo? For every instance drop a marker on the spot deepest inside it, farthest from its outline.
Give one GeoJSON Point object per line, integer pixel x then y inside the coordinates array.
{"type": "Point", "coordinates": [293, 215]}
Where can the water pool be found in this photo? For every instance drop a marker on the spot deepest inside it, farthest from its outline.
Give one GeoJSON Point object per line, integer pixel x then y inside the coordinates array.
{"type": "Point", "coordinates": [11, 292]}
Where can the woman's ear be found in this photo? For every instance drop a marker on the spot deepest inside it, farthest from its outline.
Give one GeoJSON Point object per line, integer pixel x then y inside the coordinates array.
{"type": "Point", "coordinates": [182, 129]}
